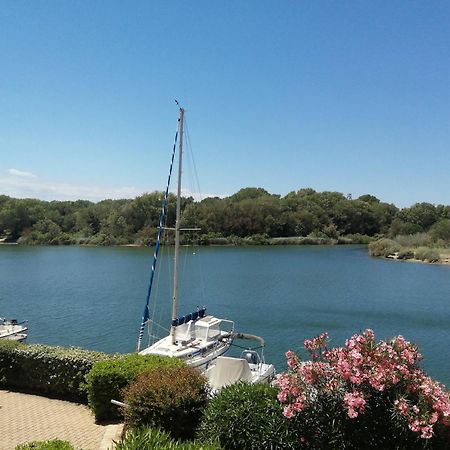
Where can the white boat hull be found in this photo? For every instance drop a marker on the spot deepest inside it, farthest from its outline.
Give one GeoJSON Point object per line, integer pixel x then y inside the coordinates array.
{"type": "Point", "coordinates": [195, 354]}
{"type": "Point", "coordinates": [229, 370]}
{"type": "Point", "coordinates": [198, 343]}
{"type": "Point", "coordinates": [13, 331]}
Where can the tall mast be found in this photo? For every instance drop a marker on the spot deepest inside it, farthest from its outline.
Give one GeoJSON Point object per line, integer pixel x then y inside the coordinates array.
{"type": "Point", "coordinates": [177, 225]}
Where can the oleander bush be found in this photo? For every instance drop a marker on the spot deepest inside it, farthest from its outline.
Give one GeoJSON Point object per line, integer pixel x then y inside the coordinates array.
{"type": "Point", "coordinates": [366, 395]}
{"type": "Point", "coordinates": [107, 379]}
{"type": "Point", "coordinates": [55, 444]}
{"type": "Point", "coordinates": [247, 417]}
{"type": "Point", "coordinates": [154, 439]}
{"type": "Point", "coordinates": [169, 398]}
{"type": "Point", "coordinates": [50, 371]}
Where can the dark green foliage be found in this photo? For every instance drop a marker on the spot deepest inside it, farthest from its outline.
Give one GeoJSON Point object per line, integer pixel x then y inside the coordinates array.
{"type": "Point", "coordinates": [44, 370]}
{"type": "Point", "coordinates": [215, 239]}
{"type": "Point", "coordinates": [249, 212]}
{"type": "Point", "coordinates": [257, 239]}
{"type": "Point", "coordinates": [398, 228]}
{"type": "Point", "coordinates": [356, 216]}
{"type": "Point", "coordinates": [441, 230]}
{"type": "Point", "coordinates": [308, 240]}
{"type": "Point", "coordinates": [355, 239]}
{"type": "Point", "coordinates": [107, 379]}
{"type": "Point", "coordinates": [153, 439]}
{"type": "Point", "coordinates": [169, 398]}
{"type": "Point", "coordinates": [55, 444]}
{"type": "Point", "coordinates": [247, 417]}
{"type": "Point", "coordinates": [424, 215]}
{"type": "Point", "coordinates": [326, 425]}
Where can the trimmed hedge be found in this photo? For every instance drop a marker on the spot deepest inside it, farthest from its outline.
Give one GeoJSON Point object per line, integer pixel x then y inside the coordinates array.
{"type": "Point", "coordinates": [107, 379]}
{"type": "Point", "coordinates": [170, 398]}
{"type": "Point", "coordinates": [49, 371]}
{"type": "Point", "coordinates": [247, 417]}
{"type": "Point", "coordinates": [153, 439]}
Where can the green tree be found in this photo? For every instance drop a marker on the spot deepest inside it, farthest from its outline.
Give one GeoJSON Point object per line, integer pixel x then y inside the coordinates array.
{"type": "Point", "coordinates": [422, 214]}
{"type": "Point", "coordinates": [441, 230]}
{"type": "Point", "coordinates": [355, 216]}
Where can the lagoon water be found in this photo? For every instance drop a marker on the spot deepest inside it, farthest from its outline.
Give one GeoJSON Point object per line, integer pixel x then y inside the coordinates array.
{"type": "Point", "coordinates": [93, 297]}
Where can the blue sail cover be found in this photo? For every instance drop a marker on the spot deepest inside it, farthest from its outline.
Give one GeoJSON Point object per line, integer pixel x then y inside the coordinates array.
{"type": "Point", "coordinates": [199, 314]}
{"type": "Point", "coordinates": [162, 220]}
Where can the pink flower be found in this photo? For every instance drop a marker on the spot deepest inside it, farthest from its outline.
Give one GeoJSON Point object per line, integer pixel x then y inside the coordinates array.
{"type": "Point", "coordinates": [361, 369]}
{"type": "Point", "coordinates": [414, 426]}
{"type": "Point", "coordinates": [426, 432]}
{"type": "Point", "coordinates": [402, 406]}
{"type": "Point", "coordinates": [288, 412]}
{"type": "Point", "coordinates": [434, 417]}
{"type": "Point", "coordinates": [355, 403]}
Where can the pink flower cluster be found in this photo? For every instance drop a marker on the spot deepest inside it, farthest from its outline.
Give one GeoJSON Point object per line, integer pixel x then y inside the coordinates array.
{"type": "Point", "coordinates": [355, 403]}
{"type": "Point", "coordinates": [380, 365]}
{"type": "Point", "coordinates": [434, 404]}
{"type": "Point", "coordinates": [360, 369]}
{"type": "Point", "coordinates": [316, 345]}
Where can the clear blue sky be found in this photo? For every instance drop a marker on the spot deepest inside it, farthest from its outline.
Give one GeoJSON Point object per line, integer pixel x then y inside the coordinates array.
{"type": "Point", "coordinates": [348, 96]}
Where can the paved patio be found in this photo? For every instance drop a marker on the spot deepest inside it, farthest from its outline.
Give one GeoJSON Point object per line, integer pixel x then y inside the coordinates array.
{"type": "Point", "coordinates": [25, 418]}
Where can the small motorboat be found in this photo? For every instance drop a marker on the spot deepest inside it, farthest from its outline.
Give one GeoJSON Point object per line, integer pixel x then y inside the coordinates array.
{"type": "Point", "coordinates": [13, 330]}
{"type": "Point", "coordinates": [250, 367]}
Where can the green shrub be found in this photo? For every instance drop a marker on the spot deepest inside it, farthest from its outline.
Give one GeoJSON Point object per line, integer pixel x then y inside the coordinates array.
{"type": "Point", "coordinates": [213, 238]}
{"type": "Point", "coordinates": [383, 247]}
{"type": "Point", "coordinates": [406, 253]}
{"type": "Point", "coordinates": [46, 445]}
{"type": "Point", "coordinates": [247, 417]}
{"type": "Point", "coordinates": [303, 240]}
{"type": "Point", "coordinates": [153, 439]}
{"type": "Point", "coordinates": [108, 378]}
{"type": "Point", "coordinates": [169, 398]}
{"type": "Point", "coordinates": [413, 240]}
{"type": "Point", "coordinates": [357, 238]}
{"type": "Point", "coordinates": [427, 254]}
{"type": "Point", "coordinates": [257, 239]}
{"type": "Point", "coordinates": [50, 371]}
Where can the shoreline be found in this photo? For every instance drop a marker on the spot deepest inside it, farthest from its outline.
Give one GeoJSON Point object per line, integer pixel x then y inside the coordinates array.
{"type": "Point", "coordinates": [443, 260]}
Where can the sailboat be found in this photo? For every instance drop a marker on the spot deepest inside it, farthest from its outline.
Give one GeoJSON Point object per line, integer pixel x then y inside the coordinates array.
{"type": "Point", "coordinates": [200, 339]}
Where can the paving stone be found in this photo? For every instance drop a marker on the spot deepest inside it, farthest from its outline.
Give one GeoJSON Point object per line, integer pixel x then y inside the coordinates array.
{"type": "Point", "coordinates": [25, 418]}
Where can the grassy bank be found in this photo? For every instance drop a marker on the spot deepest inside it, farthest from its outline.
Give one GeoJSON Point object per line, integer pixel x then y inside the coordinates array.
{"type": "Point", "coordinates": [418, 247]}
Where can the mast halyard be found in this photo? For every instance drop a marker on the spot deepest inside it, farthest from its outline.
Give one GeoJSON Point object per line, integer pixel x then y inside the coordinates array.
{"type": "Point", "coordinates": [177, 227]}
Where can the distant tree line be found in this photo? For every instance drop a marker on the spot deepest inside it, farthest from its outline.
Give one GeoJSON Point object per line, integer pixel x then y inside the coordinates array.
{"type": "Point", "coordinates": [251, 215]}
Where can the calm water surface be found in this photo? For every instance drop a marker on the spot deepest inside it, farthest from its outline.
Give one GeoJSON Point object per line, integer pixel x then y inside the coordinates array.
{"type": "Point", "coordinates": [94, 297]}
